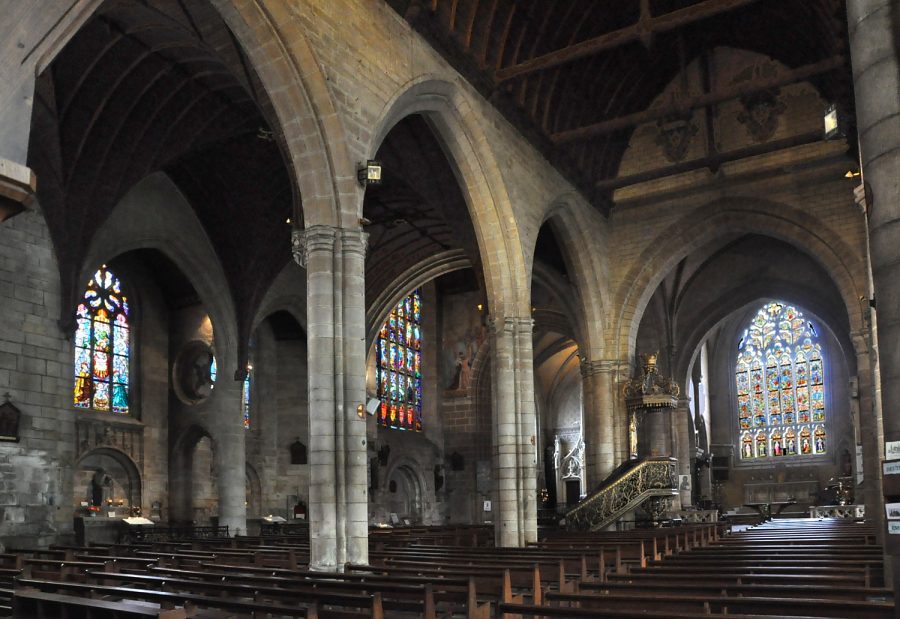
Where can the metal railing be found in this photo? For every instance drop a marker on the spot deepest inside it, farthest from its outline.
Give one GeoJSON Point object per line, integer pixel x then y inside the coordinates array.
{"type": "Point", "coordinates": [650, 478]}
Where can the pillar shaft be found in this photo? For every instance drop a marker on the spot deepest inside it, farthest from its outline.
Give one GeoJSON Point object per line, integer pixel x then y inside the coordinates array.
{"type": "Point", "coordinates": [876, 79]}
{"type": "Point", "coordinates": [318, 248]}
{"type": "Point", "coordinates": [514, 448]}
{"type": "Point", "coordinates": [230, 458]}
{"type": "Point", "coordinates": [599, 384]}
{"type": "Point", "coordinates": [354, 243]}
{"type": "Point", "coordinates": [684, 445]}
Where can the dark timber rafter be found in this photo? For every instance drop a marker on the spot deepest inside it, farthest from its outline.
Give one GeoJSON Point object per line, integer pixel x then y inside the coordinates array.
{"type": "Point", "coordinates": [643, 31]}
{"type": "Point", "coordinates": [711, 98]}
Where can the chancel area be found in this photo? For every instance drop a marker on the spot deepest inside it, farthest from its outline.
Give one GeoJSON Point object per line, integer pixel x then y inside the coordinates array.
{"type": "Point", "coordinates": [482, 308]}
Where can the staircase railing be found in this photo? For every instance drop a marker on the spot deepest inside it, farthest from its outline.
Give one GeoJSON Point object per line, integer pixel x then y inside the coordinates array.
{"type": "Point", "coordinates": [650, 478]}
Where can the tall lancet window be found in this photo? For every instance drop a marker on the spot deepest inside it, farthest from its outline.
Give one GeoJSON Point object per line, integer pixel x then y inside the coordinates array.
{"type": "Point", "coordinates": [245, 398]}
{"type": "Point", "coordinates": [398, 363]}
{"type": "Point", "coordinates": [780, 384]}
{"type": "Point", "coordinates": [102, 346]}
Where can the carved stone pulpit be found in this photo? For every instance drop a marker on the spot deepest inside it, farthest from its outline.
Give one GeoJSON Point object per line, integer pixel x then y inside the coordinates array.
{"type": "Point", "coordinates": [650, 398]}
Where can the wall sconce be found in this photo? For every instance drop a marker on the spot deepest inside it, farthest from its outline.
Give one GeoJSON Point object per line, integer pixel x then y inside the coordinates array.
{"type": "Point", "coordinates": [834, 123]}
{"type": "Point", "coordinates": [361, 411]}
{"type": "Point", "coordinates": [369, 174]}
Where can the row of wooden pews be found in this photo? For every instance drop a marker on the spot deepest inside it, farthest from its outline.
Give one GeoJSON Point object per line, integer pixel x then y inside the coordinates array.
{"type": "Point", "coordinates": [796, 568]}
{"type": "Point", "coordinates": [244, 576]}
{"type": "Point", "coordinates": [820, 569]}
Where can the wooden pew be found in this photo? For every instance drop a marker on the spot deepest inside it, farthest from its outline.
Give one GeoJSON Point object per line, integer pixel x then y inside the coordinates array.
{"type": "Point", "coordinates": [724, 605]}
{"type": "Point", "coordinates": [366, 606]}
{"type": "Point", "coordinates": [33, 604]}
{"type": "Point", "coordinates": [394, 597]}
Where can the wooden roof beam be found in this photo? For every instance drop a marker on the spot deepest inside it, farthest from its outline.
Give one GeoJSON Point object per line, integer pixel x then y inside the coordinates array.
{"type": "Point", "coordinates": [643, 30]}
{"type": "Point", "coordinates": [705, 100]}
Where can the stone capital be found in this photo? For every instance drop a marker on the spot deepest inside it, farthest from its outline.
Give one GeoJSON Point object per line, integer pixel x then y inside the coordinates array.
{"type": "Point", "coordinates": [311, 239]}
{"type": "Point", "coordinates": [599, 366]}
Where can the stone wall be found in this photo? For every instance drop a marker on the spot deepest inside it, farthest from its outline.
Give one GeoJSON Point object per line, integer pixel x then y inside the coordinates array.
{"type": "Point", "coordinates": [35, 369]}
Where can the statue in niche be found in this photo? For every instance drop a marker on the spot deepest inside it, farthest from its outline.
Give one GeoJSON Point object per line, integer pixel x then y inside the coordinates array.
{"type": "Point", "coordinates": [556, 454]}
{"type": "Point", "coordinates": [101, 483]}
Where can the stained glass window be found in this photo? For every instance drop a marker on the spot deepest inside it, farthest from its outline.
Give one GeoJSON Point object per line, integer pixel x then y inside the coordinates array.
{"type": "Point", "coordinates": [780, 386]}
{"type": "Point", "coordinates": [245, 399]}
{"type": "Point", "coordinates": [102, 346]}
{"type": "Point", "coordinates": [398, 363]}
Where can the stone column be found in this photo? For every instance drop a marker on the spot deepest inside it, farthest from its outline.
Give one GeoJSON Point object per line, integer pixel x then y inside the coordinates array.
{"type": "Point", "coordinates": [515, 494]}
{"type": "Point", "coordinates": [876, 80]}
{"type": "Point", "coordinates": [354, 244]}
{"type": "Point", "coordinates": [338, 501]}
{"type": "Point", "coordinates": [230, 457]}
{"type": "Point", "coordinates": [315, 249]}
{"type": "Point", "coordinates": [599, 433]}
{"type": "Point", "coordinates": [871, 433]}
{"type": "Point", "coordinates": [684, 445]}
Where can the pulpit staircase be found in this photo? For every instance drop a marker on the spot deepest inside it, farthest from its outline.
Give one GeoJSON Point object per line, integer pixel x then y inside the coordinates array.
{"type": "Point", "coordinates": [628, 487]}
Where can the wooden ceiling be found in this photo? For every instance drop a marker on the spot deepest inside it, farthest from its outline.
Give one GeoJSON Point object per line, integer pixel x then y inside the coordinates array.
{"type": "Point", "coordinates": [574, 76]}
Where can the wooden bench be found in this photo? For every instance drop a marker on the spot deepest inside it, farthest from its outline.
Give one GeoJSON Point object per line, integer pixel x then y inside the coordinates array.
{"type": "Point", "coordinates": [639, 600]}
{"type": "Point", "coordinates": [363, 606]}
{"type": "Point", "coordinates": [33, 604]}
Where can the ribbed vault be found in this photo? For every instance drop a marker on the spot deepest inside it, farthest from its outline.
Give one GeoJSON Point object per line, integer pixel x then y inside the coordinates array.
{"type": "Point", "coordinates": [161, 85]}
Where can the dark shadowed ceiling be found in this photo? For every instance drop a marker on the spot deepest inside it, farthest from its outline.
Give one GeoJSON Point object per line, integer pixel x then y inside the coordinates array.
{"type": "Point", "coordinates": [163, 85]}
{"type": "Point", "coordinates": [418, 211]}
{"type": "Point", "coordinates": [568, 73]}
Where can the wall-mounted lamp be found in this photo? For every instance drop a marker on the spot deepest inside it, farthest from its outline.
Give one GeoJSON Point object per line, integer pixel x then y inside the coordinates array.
{"type": "Point", "coordinates": [369, 174]}
{"type": "Point", "coordinates": [361, 411]}
{"type": "Point", "coordinates": [834, 123]}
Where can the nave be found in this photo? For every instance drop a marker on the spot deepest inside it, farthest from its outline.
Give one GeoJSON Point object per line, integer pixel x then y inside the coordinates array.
{"type": "Point", "coordinates": [780, 568]}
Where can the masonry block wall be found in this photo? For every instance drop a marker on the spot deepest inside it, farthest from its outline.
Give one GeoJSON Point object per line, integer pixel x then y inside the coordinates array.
{"type": "Point", "coordinates": [35, 369]}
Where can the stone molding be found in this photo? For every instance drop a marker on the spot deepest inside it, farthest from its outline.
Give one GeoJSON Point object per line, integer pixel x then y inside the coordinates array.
{"type": "Point", "coordinates": [354, 241]}
{"type": "Point", "coordinates": [92, 433]}
{"type": "Point", "coordinates": [510, 324]}
{"type": "Point", "coordinates": [18, 186]}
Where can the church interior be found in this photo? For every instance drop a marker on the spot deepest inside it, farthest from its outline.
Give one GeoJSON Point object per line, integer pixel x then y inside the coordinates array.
{"type": "Point", "coordinates": [380, 284]}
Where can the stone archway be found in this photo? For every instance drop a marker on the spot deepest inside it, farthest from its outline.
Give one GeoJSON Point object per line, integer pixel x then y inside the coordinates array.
{"type": "Point", "coordinates": [405, 494]}
{"type": "Point", "coordinates": [107, 479]}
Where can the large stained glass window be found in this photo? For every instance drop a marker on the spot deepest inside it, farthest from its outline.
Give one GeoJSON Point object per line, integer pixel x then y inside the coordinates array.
{"type": "Point", "coordinates": [398, 366]}
{"type": "Point", "coordinates": [780, 384]}
{"type": "Point", "coordinates": [102, 346]}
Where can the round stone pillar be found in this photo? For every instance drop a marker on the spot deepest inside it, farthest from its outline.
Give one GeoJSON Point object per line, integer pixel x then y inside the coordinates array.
{"type": "Point", "coordinates": [598, 384]}
{"type": "Point", "coordinates": [514, 440]}
{"type": "Point", "coordinates": [230, 457]}
{"type": "Point", "coordinates": [876, 79]}
{"type": "Point", "coordinates": [316, 253]}
{"type": "Point", "coordinates": [356, 518]}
